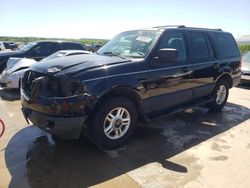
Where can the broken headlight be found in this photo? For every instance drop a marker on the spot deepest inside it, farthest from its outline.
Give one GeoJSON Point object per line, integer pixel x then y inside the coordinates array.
{"type": "Point", "coordinates": [70, 88]}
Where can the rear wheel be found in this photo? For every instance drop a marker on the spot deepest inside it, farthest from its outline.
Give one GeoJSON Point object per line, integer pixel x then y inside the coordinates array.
{"type": "Point", "coordinates": [219, 95]}
{"type": "Point", "coordinates": [113, 123]}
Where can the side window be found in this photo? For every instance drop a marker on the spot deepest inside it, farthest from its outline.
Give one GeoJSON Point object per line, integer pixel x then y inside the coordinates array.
{"type": "Point", "coordinates": [225, 45]}
{"type": "Point", "coordinates": [45, 49]}
{"type": "Point", "coordinates": [198, 46]}
{"type": "Point", "coordinates": [175, 40]}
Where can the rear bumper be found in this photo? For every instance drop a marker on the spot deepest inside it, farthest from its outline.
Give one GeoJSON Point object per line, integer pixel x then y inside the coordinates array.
{"type": "Point", "coordinates": [67, 128]}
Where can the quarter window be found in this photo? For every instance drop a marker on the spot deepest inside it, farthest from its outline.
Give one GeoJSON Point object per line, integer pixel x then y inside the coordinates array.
{"type": "Point", "coordinates": [225, 45]}
{"type": "Point", "coordinates": [198, 46]}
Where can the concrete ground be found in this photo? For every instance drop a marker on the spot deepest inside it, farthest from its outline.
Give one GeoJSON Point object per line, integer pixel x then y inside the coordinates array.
{"type": "Point", "coordinates": [195, 148]}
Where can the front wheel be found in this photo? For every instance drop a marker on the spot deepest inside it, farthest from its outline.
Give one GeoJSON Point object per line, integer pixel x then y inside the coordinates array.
{"type": "Point", "coordinates": [113, 123]}
{"type": "Point", "coordinates": [219, 95]}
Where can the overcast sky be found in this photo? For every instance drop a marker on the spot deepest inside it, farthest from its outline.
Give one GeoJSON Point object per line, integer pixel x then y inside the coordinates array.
{"type": "Point", "coordinates": [104, 19]}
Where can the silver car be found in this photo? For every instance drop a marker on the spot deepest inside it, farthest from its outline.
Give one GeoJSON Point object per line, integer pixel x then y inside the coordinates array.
{"type": "Point", "coordinates": [245, 77]}
{"type": "Point", "coordinates": [11, 76]}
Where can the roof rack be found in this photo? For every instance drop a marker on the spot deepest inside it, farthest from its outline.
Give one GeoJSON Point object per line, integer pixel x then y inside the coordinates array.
{"type": "Point", "coordinates": [183, 26]}
{"type": "Point", "coordinates": [203, 28]}
{"type": "Point", "coordinates": [170, 26]}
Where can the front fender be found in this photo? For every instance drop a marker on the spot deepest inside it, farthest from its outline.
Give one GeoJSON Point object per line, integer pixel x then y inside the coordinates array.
{"type": "Point", "coordinates": [100, 87]}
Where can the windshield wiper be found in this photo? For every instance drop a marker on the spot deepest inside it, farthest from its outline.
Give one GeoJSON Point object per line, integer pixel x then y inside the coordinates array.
{"type": "Point", "coordinates": [113, 54]}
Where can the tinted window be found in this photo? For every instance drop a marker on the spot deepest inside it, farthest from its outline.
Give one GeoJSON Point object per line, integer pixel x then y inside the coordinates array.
{"type": "Point", "coordinates": [198, 46]}
{"type": "Point", "coordinates": [44, 49]}
{"type": "Point", "coordinates": [175, 40]}
{"type": "Point", "coordinates": [71, 46]}
{"type": "Point", "coordinates": [225, 45]}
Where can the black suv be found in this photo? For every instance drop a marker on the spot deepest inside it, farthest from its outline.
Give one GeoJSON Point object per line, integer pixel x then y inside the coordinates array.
{"type": "Point", "coordinates": [138, 75]}
{"type": "Point", "coordinates": [38, 50]}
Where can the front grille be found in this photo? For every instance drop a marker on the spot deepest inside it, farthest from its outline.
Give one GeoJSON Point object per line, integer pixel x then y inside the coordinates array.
{"type": "Point", "coordinates": [28, 78]}
{"type": "Point", "coordinates": [38, 85]}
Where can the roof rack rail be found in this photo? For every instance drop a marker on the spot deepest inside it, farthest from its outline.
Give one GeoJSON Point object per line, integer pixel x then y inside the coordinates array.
{"type": "Point", "coordinates": [203, 28]}
{"type": "Point", "coordinates": [183, 26]}
{"type": "Point", "coordinates": [167, 26]}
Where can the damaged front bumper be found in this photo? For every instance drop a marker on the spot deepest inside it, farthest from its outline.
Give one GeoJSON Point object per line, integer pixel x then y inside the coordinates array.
{"type": "Point", "coordinates": [56, 105]}
{"type": "Point", "coordinates": [67, 128]}
{"type": "Point", "coordinates": [63, 117]}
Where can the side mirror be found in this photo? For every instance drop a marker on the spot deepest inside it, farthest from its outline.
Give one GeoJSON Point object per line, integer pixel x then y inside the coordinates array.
{"type": "Point", "coordinates": [167, 55]}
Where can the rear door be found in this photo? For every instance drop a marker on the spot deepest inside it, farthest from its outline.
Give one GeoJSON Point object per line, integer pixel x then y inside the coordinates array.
{"type": "Point", "coordinates": [169, 82]}
{"type": "Point", "coordinates": [203, 63]}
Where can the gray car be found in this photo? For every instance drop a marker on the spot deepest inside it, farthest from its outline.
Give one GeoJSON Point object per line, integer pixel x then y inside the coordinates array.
{"type": "Point", "coordinates": [10, 77]}
{"type": "Point", "coordinates": [245, 77]}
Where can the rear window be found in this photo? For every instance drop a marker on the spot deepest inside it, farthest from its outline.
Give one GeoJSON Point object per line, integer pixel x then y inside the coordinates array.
{"type": "Point", "coordinates": [225, 45]}
{"type": "Point", "coordinates": [71, 46]}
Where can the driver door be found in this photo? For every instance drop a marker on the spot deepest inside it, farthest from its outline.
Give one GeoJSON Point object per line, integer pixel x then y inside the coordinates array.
{"type": "Point", "coordinates": [169, 83]}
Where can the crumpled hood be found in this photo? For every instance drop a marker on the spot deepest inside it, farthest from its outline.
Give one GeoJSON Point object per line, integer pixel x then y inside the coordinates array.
{"type": "Point", "coordinates": [14, 64]}
{"type": "Point", "coordinates": [75, 64]}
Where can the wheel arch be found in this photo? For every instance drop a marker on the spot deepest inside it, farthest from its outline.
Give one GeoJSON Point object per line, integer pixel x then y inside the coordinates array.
{"type": "Point", "coordinates": [122, 91]}
{"type": "Point", "coordinates": [226, 76]}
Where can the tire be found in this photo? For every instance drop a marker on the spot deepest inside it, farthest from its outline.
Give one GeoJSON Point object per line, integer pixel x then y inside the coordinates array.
{"type": "Point", "coordinates": [118, 116]}
{"type": "Point", "coordinates": [219, 101]}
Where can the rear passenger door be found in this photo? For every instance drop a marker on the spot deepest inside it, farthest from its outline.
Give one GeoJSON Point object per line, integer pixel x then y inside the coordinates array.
{"type": "Point", "coordinates": [169, 82]}
{"type": "Point", "coordinates": [203, 64]}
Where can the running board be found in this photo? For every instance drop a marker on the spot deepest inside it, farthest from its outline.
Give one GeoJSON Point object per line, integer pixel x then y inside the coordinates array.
{"type": "Point", "coordinates": [163, 113]}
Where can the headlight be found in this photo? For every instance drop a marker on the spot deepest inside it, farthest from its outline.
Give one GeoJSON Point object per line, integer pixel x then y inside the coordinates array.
{"type": "Point", "coordinates": [69, 88]}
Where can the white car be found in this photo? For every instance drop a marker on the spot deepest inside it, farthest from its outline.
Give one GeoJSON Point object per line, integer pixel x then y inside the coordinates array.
{"type": "Point", "coordinates": [245, 77]}
{"type": "Point", "coordinates": [11, 76]}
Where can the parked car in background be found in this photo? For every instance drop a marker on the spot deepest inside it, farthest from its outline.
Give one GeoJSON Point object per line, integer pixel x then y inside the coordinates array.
{"type": "Point", "coordinates": [245, 77]}
{"type": "Point", "coordinates": [138, 75]}
{"type": "Point", "coordinates": [11, 76]}
{"type": "Point", "coordinates": [8, 46]}
{"type": "Point", "coordinates": [38, 50]}
{"type": "Point", "coordinates": [64, 53]}
{"type": "Point", "coordinates": [94, 47]}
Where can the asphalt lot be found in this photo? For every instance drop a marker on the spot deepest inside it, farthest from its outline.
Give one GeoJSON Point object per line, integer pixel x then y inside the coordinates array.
{"type": "Point", "coordinates": [195, 148]}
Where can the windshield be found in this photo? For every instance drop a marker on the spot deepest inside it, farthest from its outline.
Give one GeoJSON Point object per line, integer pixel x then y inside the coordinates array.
{"type": "Point", "coordinates": [134, 44]}
{"type": "Point", "coordinates": [28, 46]}
{"type": "Point", "coordinates": [246, 58]}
